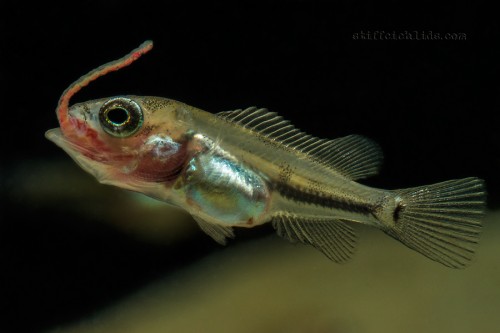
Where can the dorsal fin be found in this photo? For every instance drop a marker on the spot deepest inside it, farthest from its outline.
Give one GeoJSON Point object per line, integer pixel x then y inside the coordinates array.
{"type": "Point", "coordinates": [353, 156]}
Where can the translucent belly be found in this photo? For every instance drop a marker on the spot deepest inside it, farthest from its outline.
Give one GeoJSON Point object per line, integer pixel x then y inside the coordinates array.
{"type": "Point", "coordinates": [225, 190]}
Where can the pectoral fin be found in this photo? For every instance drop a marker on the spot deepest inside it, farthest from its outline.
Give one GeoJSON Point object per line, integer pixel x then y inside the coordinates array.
{"type": "Point", "coordinates": [332, 237]}
{"type": "Point", "coordinates": [217, 232]}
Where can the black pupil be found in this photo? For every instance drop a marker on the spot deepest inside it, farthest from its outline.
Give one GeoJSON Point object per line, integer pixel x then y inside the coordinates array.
{"type": "Point", "coordinates": [118, 116]}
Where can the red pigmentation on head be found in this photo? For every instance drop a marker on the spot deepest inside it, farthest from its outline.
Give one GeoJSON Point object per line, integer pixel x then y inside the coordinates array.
{"type": "Point", "coordinates": [161, 160]}
{"type": "Point", "coordinates": [63, 106]}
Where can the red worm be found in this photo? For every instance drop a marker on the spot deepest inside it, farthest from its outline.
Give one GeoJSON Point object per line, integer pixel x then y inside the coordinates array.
{"type": "Point", "coordinates": [62, 107]}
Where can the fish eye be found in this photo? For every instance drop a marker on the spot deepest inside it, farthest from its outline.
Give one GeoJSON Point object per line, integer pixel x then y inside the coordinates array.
{"type": "Point", "coordinates": [121, 117]}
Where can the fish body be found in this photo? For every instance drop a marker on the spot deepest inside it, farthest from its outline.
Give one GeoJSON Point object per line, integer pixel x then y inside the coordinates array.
{"type": "Point", "coordinates": [248, 167]}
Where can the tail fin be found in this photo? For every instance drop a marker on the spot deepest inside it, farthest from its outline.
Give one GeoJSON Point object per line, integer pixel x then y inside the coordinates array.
{"type": "Point", "coordinates": [441, 221]}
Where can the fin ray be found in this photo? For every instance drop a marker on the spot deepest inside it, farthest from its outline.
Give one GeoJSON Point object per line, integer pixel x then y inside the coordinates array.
{"type": "Point", "coordinates": [442, 221]}
{"type": "Point", "coordinates": [332, 237]}
{"type": "Point", "coordinates": [353, 156]}
{"type": "Point", "coordinates": [219, 233]}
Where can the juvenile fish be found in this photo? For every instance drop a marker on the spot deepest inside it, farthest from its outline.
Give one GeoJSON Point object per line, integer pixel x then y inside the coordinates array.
{"type": "Point", "coordinates": [247, 167]}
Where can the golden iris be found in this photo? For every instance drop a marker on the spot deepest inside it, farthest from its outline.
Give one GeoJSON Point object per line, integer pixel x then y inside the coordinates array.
{"type": "Point", "coordinates": [121, 117]}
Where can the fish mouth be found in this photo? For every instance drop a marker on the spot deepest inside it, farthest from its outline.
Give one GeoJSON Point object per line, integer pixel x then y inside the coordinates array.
{"type": "Point", "coordinates": [89, 160]}
{"type": "Point", "coordinates": [95, 164]}
{"type": "Point", "coordinates": [55, 135]}
{"type": "Point", "coordinates": [71, 148]}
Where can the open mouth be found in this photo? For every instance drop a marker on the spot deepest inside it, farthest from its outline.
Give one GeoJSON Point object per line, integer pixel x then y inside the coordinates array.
{"type": "Point", "coordinates": [71, 148]}
{"type": "Point", "coordinates": [89, 160]}
{"type": "Point", "coordinates": [99, 164]}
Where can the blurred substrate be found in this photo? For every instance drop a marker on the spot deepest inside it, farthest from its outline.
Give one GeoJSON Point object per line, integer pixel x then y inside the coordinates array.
{"type": "Point", "coordinates": [268, 285]}
{"type": "Point", "coordinates": [77, 256]}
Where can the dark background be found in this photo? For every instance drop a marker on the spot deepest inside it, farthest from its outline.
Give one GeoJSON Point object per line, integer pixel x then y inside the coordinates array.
{"type": "Point", "coordinates": [432, 105]}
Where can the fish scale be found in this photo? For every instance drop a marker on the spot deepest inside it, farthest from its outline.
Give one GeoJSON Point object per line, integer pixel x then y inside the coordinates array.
{"type": "Point", "coordinates": [247, 167]}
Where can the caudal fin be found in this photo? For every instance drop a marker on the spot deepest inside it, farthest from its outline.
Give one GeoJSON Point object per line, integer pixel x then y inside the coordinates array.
{"type": "Point", "coordinates": [441, 221]}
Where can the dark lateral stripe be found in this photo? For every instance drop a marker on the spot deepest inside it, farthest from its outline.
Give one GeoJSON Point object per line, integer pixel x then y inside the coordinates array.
{"type": "Point", "coordinates": [320, 199]}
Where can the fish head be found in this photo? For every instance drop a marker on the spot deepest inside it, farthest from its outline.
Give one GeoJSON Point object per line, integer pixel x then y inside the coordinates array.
{"type": "Point", "coordinates": [134, 142]}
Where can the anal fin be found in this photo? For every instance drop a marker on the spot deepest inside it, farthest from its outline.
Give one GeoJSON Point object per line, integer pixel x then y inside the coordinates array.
{"type": "Point", "coordinates": [218, 232]}
{"type": "Point", "coordinates": [332, 237]}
